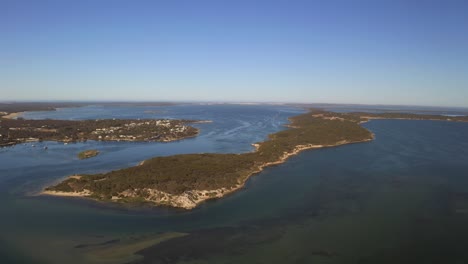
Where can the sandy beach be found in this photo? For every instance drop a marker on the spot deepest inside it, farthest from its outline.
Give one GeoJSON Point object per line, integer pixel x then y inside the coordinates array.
{"type": "Point", "coordinates": [13, 115]}
{"type": "Point", "coordinates": [67, 194]}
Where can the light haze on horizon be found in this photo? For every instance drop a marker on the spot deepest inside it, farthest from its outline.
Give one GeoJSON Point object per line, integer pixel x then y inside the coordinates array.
{"type": "Point", "coordinates": [362, 52]}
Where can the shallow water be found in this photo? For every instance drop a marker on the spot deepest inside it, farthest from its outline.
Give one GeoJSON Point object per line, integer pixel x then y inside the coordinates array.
{"type": "Point", "coordinates": [402, 198]}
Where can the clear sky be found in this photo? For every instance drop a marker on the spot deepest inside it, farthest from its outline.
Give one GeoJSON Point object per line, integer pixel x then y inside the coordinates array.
{"type": "Point", "coordinates": [370, 52]}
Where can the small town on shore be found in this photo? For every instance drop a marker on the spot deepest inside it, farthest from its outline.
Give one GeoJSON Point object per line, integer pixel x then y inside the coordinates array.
{"type": "Point", "coordinates": [19, 130]}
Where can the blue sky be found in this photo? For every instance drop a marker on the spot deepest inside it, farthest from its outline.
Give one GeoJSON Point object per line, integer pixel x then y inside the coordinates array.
{"type": "Point", "coordinates": [370, 52]}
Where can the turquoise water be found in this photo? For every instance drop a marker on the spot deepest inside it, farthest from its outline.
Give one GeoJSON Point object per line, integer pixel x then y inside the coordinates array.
{"type": "Point", "coordinates": [402, 198]}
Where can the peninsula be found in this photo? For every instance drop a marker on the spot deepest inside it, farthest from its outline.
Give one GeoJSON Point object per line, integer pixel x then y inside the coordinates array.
{"type": "Point", "coordinates": [14, 131]}
{"type": "Point", "coordinates": [186, 180]}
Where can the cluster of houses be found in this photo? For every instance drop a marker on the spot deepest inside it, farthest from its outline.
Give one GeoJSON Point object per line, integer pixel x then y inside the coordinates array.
{"type": "Point", "coordinates": [168, 131]}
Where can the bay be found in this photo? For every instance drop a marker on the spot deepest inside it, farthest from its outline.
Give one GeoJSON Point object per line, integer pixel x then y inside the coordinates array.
{"type": "Point", "coordinates": [402, 198]}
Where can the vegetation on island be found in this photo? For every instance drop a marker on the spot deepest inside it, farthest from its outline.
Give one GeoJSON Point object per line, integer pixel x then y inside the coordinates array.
{"type": "Point", "coordinates": [88, 154]}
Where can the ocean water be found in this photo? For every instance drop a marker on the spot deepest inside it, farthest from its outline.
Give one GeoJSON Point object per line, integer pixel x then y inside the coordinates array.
{"type": "Point", "coordinates": [402, 198]}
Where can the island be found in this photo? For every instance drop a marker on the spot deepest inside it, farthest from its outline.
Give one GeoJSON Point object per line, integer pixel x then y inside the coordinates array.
{"type": "Point", "coordinates": [88, 154]}
{"type": "Point", "coordinates": [186, 180]}
{"type": "Point", "coordinates": [14, 131]}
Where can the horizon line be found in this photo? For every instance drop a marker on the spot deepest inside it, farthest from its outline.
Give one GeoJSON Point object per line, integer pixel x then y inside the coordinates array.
{"type": "Point", "coordinates": [226, 102]}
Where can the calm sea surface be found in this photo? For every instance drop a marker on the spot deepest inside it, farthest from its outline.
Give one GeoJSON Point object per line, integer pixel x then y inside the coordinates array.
{"type": "Point", "coordinates": [402, 198]}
